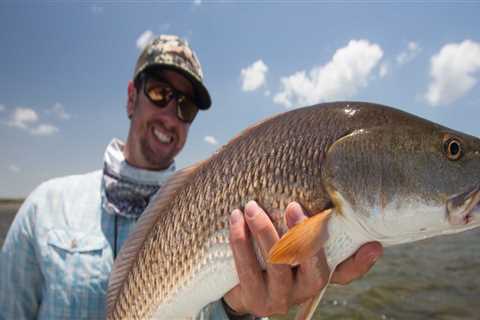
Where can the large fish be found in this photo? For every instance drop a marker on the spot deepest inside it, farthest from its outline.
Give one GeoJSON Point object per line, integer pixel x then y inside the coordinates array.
{"type": "Point", "coordinates": [365, 172]}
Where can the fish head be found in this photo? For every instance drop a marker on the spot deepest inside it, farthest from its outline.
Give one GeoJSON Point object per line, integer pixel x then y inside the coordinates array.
{"type": "Point", "coordinates": [462, 181]}
{"type": "Point", "coordinates": [407, 181]}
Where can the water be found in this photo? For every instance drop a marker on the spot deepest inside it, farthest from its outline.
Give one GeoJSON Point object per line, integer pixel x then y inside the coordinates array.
{"type": "Point", "coordinates": [432, 279]}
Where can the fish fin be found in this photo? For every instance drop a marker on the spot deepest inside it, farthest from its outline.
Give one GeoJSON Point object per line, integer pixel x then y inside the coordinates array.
{"type": "Point", "coordinates": [130, 249]}
{"type": "Point", "coordinates": [302, 241]}
{"type": "Point", "coordinates": [306, 309]}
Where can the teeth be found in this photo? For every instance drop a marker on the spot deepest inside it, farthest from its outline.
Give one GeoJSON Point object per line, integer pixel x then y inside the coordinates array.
{"type": "Point", "coordinates": [163, 138]}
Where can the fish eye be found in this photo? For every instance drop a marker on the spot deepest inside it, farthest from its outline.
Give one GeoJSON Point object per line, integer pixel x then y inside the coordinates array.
{"type": "Point", "coordinates": [453, 149]}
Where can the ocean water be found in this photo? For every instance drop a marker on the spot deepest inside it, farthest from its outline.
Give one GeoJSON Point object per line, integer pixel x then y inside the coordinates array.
{"type": "Point", "coordinates": [436, 278]}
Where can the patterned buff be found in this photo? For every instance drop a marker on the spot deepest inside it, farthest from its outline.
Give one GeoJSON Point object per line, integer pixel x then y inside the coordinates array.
{"type": "Point", "coordinates": [126, 190]}
{"type": "Point", "coordinates": [124, 197]}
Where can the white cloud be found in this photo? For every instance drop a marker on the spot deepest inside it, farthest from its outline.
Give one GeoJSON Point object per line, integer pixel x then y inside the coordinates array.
{"type": "Point", "coordinates": [13, 168]}
{"type": "Point", "coordinates": [452, 71]}
{"type": "Point", "coordinates": [409, 54]}
{"type": "Point", "coordinates": [383, 71]}
{"type": "Point", "coordinates": [267, 93]}
{"type": "Point", "coordinates": [23, 118]}
{"type": "Point", "coordinates": [2, 107]}
{"type": "Point", "coordinates": [96, 9]}
{"type": "Point", "coordinates": [254, 76]}
{"type": "Point", "coordinates": [27, 119]}
{"type": "Point", "coordinates": [44, 130]}
{"type": "Point", "coordinates": [197, 2]}
{"type": "Point", "coordinates": [211, 140]}
{"type": "Point", "coordinates": [340, 78]}
{"type": "Point", "coordinates": [144, 39]}
{"type": "Point", "coordinates": [59, 111]}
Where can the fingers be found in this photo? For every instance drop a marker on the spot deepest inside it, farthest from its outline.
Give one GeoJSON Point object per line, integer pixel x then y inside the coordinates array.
{"type": "Point", "coordinates": [274, 291]}
{"type": "Point", "coordinates": [312, 275]}
{"type": "Point", "coordinates": [294, 214]}
{"type": "Point", "coordinates": [249, 272]}
{"type": "Point", "coordinates": [279, 277]}
{"type": "Point", "coordinates": [261, 226]}
{"type": "Point", "coordinates": [359, 264]}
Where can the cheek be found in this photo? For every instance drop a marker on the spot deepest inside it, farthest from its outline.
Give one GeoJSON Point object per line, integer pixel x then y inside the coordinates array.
{"type": "Point", "coordinates": [142, 114]}
{"type": "Point", "coordinates": [139, 124]}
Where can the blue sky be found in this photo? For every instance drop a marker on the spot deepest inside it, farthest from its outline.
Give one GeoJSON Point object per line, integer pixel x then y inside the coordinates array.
{"type": "Point", "coordinates": [65, 67]}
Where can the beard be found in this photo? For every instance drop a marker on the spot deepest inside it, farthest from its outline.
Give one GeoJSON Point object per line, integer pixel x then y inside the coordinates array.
{"type": "Point", "coordinates": [145, 147]}
{"type": "Point", "coordinates": [154, 159]}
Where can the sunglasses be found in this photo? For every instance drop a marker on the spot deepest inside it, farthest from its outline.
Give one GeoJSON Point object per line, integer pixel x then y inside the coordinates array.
{"type": "Point", "coordinates": [160, 93]}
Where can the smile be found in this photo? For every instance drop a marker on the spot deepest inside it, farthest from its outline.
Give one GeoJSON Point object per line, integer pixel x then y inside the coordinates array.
{"type": "Point", "coordinates": [162, 137]}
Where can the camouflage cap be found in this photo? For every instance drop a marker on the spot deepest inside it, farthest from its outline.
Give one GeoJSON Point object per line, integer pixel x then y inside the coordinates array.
{"type": "Point", "coordinates": [172, 52]}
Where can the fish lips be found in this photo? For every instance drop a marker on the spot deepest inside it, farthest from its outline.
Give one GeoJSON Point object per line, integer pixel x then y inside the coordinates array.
{"type": "Point", "coordinates": [462, 209]}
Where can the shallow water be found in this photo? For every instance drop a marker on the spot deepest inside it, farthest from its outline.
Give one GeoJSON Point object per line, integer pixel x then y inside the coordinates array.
{"type": "Point", "coordinates": [432, 279]}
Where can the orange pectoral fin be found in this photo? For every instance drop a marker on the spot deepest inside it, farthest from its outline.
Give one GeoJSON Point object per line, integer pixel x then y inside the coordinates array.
{"type": "Point", "coordinates": [302, 241]}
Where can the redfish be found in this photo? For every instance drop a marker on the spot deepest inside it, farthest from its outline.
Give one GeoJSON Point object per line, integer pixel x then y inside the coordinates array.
{"type": "Point", "coordinates": [362, 172]}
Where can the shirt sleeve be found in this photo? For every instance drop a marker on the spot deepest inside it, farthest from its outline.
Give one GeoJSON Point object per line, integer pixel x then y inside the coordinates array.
{"type": "Point", "coordinates": [213, 311]}
{"type": "Point", "coordinates": [21, 280]}
{"type": "Point", "coordinates": [216, 311]}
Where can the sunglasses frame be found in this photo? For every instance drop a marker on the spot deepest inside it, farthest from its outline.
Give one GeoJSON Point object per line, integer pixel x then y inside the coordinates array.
{"type": "Point", "coordinates": [179, 97]}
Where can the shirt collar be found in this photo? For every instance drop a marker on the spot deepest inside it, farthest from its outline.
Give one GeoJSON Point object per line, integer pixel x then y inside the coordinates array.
{"type": "Point", "coordinates": [117, 164]}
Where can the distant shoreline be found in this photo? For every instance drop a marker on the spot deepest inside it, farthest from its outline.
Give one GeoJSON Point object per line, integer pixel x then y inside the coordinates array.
{"type": "Point", "coordinates": [9, 201]}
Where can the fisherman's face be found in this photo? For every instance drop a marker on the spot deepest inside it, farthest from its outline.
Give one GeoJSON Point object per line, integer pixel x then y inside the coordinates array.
{"type": "Point", "coordinates": [156, 134]}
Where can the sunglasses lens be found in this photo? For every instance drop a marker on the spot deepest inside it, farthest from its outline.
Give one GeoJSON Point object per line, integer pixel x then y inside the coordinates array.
{"type": "Point", "coordinates": [161, 93]}
{"type": "Point", "coordinates": [186, 110]}
{"type": "Point", "coordinates": [158, 94]}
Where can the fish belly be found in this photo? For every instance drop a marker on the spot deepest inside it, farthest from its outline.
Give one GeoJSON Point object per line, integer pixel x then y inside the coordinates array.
{"type": "Point", "coordinates": [345, 237]}
{"type": "Point", "coordinates": [215, 275]}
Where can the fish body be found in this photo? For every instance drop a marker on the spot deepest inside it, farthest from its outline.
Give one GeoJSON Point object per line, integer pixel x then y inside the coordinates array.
{"type": "Point", "coordinates": [386, 175]}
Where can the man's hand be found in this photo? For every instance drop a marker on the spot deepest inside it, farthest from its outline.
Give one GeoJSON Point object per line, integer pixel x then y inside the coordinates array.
{"type": "Point", "coordinates": [280, 287]}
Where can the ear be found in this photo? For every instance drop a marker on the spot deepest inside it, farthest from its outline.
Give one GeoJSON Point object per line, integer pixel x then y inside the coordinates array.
{"type": "Point", "coordinates": [131, 99]}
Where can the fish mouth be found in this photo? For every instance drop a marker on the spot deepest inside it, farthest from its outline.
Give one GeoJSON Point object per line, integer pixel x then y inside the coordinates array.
{"type": "Point", "coordinates": [462, 208]}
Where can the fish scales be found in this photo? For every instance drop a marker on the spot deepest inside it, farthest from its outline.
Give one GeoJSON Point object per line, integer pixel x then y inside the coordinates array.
{"type": "Point", "coordinates": [275, 162]}
{"type": "Point", "coordinates": [236, 155]}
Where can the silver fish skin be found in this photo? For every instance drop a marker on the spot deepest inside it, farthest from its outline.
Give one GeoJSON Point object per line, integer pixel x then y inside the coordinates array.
{"type": "Point", "coordinates": [387, 175]}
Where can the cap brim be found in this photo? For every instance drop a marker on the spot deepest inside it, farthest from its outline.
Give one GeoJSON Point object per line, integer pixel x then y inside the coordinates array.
{"type": "Point", "coordinates": [202, 96]}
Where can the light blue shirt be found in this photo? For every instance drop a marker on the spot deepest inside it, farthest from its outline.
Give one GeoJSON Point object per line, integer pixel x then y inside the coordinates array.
{"type": "Point", "coordinates": [58, 253]}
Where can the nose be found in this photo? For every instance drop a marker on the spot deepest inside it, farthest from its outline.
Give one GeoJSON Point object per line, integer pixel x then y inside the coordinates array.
{"type": "Point", "coordinates": [171, 110]}
{"type": "Point", "coordinates": [170, 118]}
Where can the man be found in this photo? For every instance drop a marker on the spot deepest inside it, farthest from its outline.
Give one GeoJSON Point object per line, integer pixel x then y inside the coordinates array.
{"type": "Point", "coordinates": [59, 251]}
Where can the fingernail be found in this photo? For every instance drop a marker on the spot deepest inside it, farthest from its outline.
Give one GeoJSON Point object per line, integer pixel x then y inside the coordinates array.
{"type": "Point", "coordinates": [372, 258]}
{"type": "Point", "coordinates": [251, 209]}
{"type": "Point", "coordinates": [235, 217]}
{"type": "Point", "coordinates": [297, 213]}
